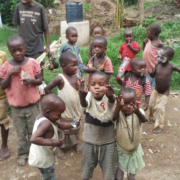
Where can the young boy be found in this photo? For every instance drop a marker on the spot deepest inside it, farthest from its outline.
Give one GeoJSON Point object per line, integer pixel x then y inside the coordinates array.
{"type": "Point", "coordinates": [128, 118]}
{"type": "Point", "coordinates": [21, 77]}
{"type": "Point", "coordinates": [163, 74]}
{"type": "Point", "coordinates": [67, 83]}
{"type": "Point", "coordinates": [130, 48]}
{"type": "Point", "coordinates": [45, 136]}
{"type": "Point", "coordinates": [151, 46]}
{"type": "Point", "coordinates": [99, 144]}
{"type": "Point", "coordinates": [72, 46]}
{"type": "Point", "coordinates": [137, 80]}
{"type": "Point", "coordinates": [97, 31]}
{"type": "Point", "coordinates": [100, 62]}
{"type": "Point", "coordinates": [4, 118]}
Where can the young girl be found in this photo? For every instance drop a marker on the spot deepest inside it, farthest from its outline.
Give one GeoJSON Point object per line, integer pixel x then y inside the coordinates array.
{"type": "Point", "coordinates": [130, 48]}
{"type": "Point", "coordinates": [97, 31]}
{"type": "Point", "coordinates": [151, 46]}
{"type": "Point", "coordinates": [21, 77]}
{"type": "Point", "coordinates": [72, 46]}
{"type": "Point", "coordinates": [137, 80]}
{"type": "Point", "coordinates": [128, 118]}
{"type": "Point", "coordinates": [68, 91]}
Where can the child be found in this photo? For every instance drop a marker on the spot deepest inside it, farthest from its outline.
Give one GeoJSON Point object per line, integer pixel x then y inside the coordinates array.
{"type": "Point", "coordinates": [4, 118]}
{"type": "Point", "coordinates": [100, 61]}
{"type": "Point", "coordinates": [137, 80]}
{"type": "Point", "coordinates": [129, 119]}
{"type": "Point", "coordinates": [72, 46]}
{"type": "Point", "coordinates": [151, 46]}
{"type": "Point", "coordinates": [68, 91]}
{"type": "Point", "coordinates": [97, 31]}
{"type": "Point", "coordinates": [130, 48]}
{"type": "Point", "coordinates": [21, 77]}
{"type": "Point", "coordinates": [99, 144]}
{"type": "Point", "coordinates": [163, 74]}
{"type": "Point", "coordinates": [45, 136]}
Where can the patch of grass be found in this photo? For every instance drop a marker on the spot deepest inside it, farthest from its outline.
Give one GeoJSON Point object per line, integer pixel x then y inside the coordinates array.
{"type": "Point", "coordinates": [154, 3]}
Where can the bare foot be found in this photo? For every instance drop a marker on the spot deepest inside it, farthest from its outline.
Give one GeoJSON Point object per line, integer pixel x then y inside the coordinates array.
{"type": "Point", "coordinates": [21, 162]}
{"type": "Point", "coordinates": [61, 154]}
{"type": "Point", "coordinates": [4, 153]}
{"type": "Point", "coordinates": [157, 130]}
{"type": "Point", "coordinates": [78, 148]}
{"type": "Point", "coordinates": [151, 121]}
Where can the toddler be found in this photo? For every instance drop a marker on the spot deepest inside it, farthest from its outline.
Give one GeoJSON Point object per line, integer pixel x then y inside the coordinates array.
{"type": "Point", "coordinates": [151, 46]}
{"type": "Point", "coordinates": [67, 83]}
{"type": "Point", "coordinates": [72, 46]}
{"type": "Point", "coordinates": [163, 74]}
{"type": "Point", "coordinates": [128, 118]}
{"type": "Point", "coordinates": [99, 138]}
{"type": "Point", "coordinates": [45, 136]}
{"type": "Point", "coordinates": [4, 118]}
{"type": "Point", "coordinates": [137, 80]}
{"type": "Point", "coordinates": [21, 76]}
{"type": "Point", "coordinates": [130, 48]}
{"type": "Point", "coordinates": [97, 31]}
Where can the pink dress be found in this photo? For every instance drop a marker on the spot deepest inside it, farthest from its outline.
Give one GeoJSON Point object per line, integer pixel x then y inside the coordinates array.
{"type": "Point", "coordinates": [150, 56]}
{"type": "Point", "coordinates": [18, 94]}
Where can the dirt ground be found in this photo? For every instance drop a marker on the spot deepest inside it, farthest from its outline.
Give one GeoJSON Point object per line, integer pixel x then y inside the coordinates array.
{"type": "Point", "coordinates": [161, 154]}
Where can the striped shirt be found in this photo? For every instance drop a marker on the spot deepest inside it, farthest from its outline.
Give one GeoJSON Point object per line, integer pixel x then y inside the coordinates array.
{"type": "Point", "coordinates": [146, 89]}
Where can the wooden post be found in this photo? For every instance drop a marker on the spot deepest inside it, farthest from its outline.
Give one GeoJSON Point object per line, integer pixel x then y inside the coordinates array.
{"type": "Point", "coordinates": [141, 11]}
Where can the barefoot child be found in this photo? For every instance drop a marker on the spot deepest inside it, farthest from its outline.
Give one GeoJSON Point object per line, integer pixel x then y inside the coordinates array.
{"type": "Point", "coordinates": [99, 139]}
{"type": "Point", "coordinates": [130, 48]}
{"type": "Point", "coordinates": [128, 118]}
{"type": "Point", "coordinates": [21, 77]}
{"type": "Point", "coordinates": [68, 92]}
{"type": "Point", "coordinates": [72, 46]}
{"type": "Point", "coordinates": [97, 31]}
{"type": "Point", "coordinates": [163, 74]}
{"type": "Point", "coordinates": [151, 46]}
{"type": "Point", "coordinates": [4, 118]}
{"type": "Point", "coordinates": [45, 136]}
{"type": "Point", "coordinates": [137, 80]}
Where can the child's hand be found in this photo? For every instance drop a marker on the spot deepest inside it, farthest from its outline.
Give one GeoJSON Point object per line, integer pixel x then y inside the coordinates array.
{"type": "Point", "coordinates": [57, 142]}
{"type": "Point", "coordinates": [15, 70]}
{"type": "Point", "coordinates": [110, 91]}
{"type": "Point", "coordinates": [145, 40]}
{"type": "Point", "coordinates": [150, 70]}
{"type": "Point", "coordinates": [145, 107]}
{"type": "Point", "coordinates": [129, 45]}
{"type": "Point", "coordinates": [135, 107]}
{"type": "Point", "coordinates": [27, 82]}
{"type": "Point", "coordinates": [82, 89]}
{"type": "Point", "coordinates": [78, 123]}
{"type": "Point", "coordinates": [90, 70]}
{"type": "Point", "coordinates": [120, 102]}
{"type": "Point", "coordinates": [120, 56]}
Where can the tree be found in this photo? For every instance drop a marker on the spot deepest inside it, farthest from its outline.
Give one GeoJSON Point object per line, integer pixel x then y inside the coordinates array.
{"type": "Point", "coordinates": [141, 11]}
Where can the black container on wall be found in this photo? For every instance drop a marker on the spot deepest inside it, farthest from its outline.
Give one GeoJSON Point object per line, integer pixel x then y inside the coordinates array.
{"type": "Point", "coordinates": [74, 12]}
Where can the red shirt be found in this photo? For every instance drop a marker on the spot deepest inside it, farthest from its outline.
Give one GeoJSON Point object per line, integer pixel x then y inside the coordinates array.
{"type": "Point", "coordinates": [127, 52]}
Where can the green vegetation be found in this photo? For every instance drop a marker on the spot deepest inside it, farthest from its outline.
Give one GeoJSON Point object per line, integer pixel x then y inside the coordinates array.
{"type": "Point", "coordinates": [87, 8]}
{"type": "Point", "coordinates": [147, 21]}
{"type": "Point", "coordinates": [169, 31]}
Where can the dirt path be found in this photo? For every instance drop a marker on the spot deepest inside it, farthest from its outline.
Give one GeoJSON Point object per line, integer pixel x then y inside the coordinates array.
{"type": "Point", "coordinates": [161, 151]}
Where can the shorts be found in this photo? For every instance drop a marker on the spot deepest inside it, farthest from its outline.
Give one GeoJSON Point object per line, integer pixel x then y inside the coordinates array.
{"type": "Point", "coordinates": [105, 155]}
{"type": "Point", "coordinates": [152, 81]}
{"type": "Point", "coordinates": [48, 173]}
{"type": "Point", "coordinates": [4, 118]}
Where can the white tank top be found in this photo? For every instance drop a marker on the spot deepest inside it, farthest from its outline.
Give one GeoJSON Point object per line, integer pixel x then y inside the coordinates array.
{"type": "Point", "coordinates": [42, 156]}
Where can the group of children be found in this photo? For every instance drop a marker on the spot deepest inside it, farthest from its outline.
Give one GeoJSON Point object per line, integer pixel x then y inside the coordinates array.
{"type": "Point", "coordinates": [113, 125]}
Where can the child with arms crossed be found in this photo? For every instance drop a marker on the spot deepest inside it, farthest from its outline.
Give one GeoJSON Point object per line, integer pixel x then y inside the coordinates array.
{"type": "Point", "coordinates": [99, 138]}
{"type": "Point", "coordinates": [21, 76]}
{"type": "Point", "coordinates": [128, 118]}
{"type": "Point", "coordinates": [137, 80]}
{"type": "Point", "coordinates": [130, 48]}
{"type": "Point", "coordinates": [72, 46]}
{"type": "Point", "coordinates": [151, 46]}
{"type": "Point", "coordinates": [67, 84]}
{"type": "Point", "coordinates": [163, 74]}
{"type": "Point", "coordinates": [45, 136]}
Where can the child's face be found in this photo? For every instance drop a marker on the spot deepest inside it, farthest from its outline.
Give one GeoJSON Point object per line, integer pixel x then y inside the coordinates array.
{"type": "Point", "coordinates": [17, 50]}
{"type": "Point", "coordinates": [150, 34]}
{"type": "Point", "coordinates": [71, 66]}
{"type": "Point", "coordinates": [128, 36]}
{"type": "Point", "coordinates": [97, 32]}
{"type": "Point", "coordinates": [72, 37]}
{"type": "Point", "coordinates": [98, 86]}
{"type": "Point", "coordinates": [162, 57]}
{"type": "Point", "coordinates": [128, 98]}
{"type": "Point", "coordinates": [140, 68]}
{"type": "Point", "coordinates": [99, 47]}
